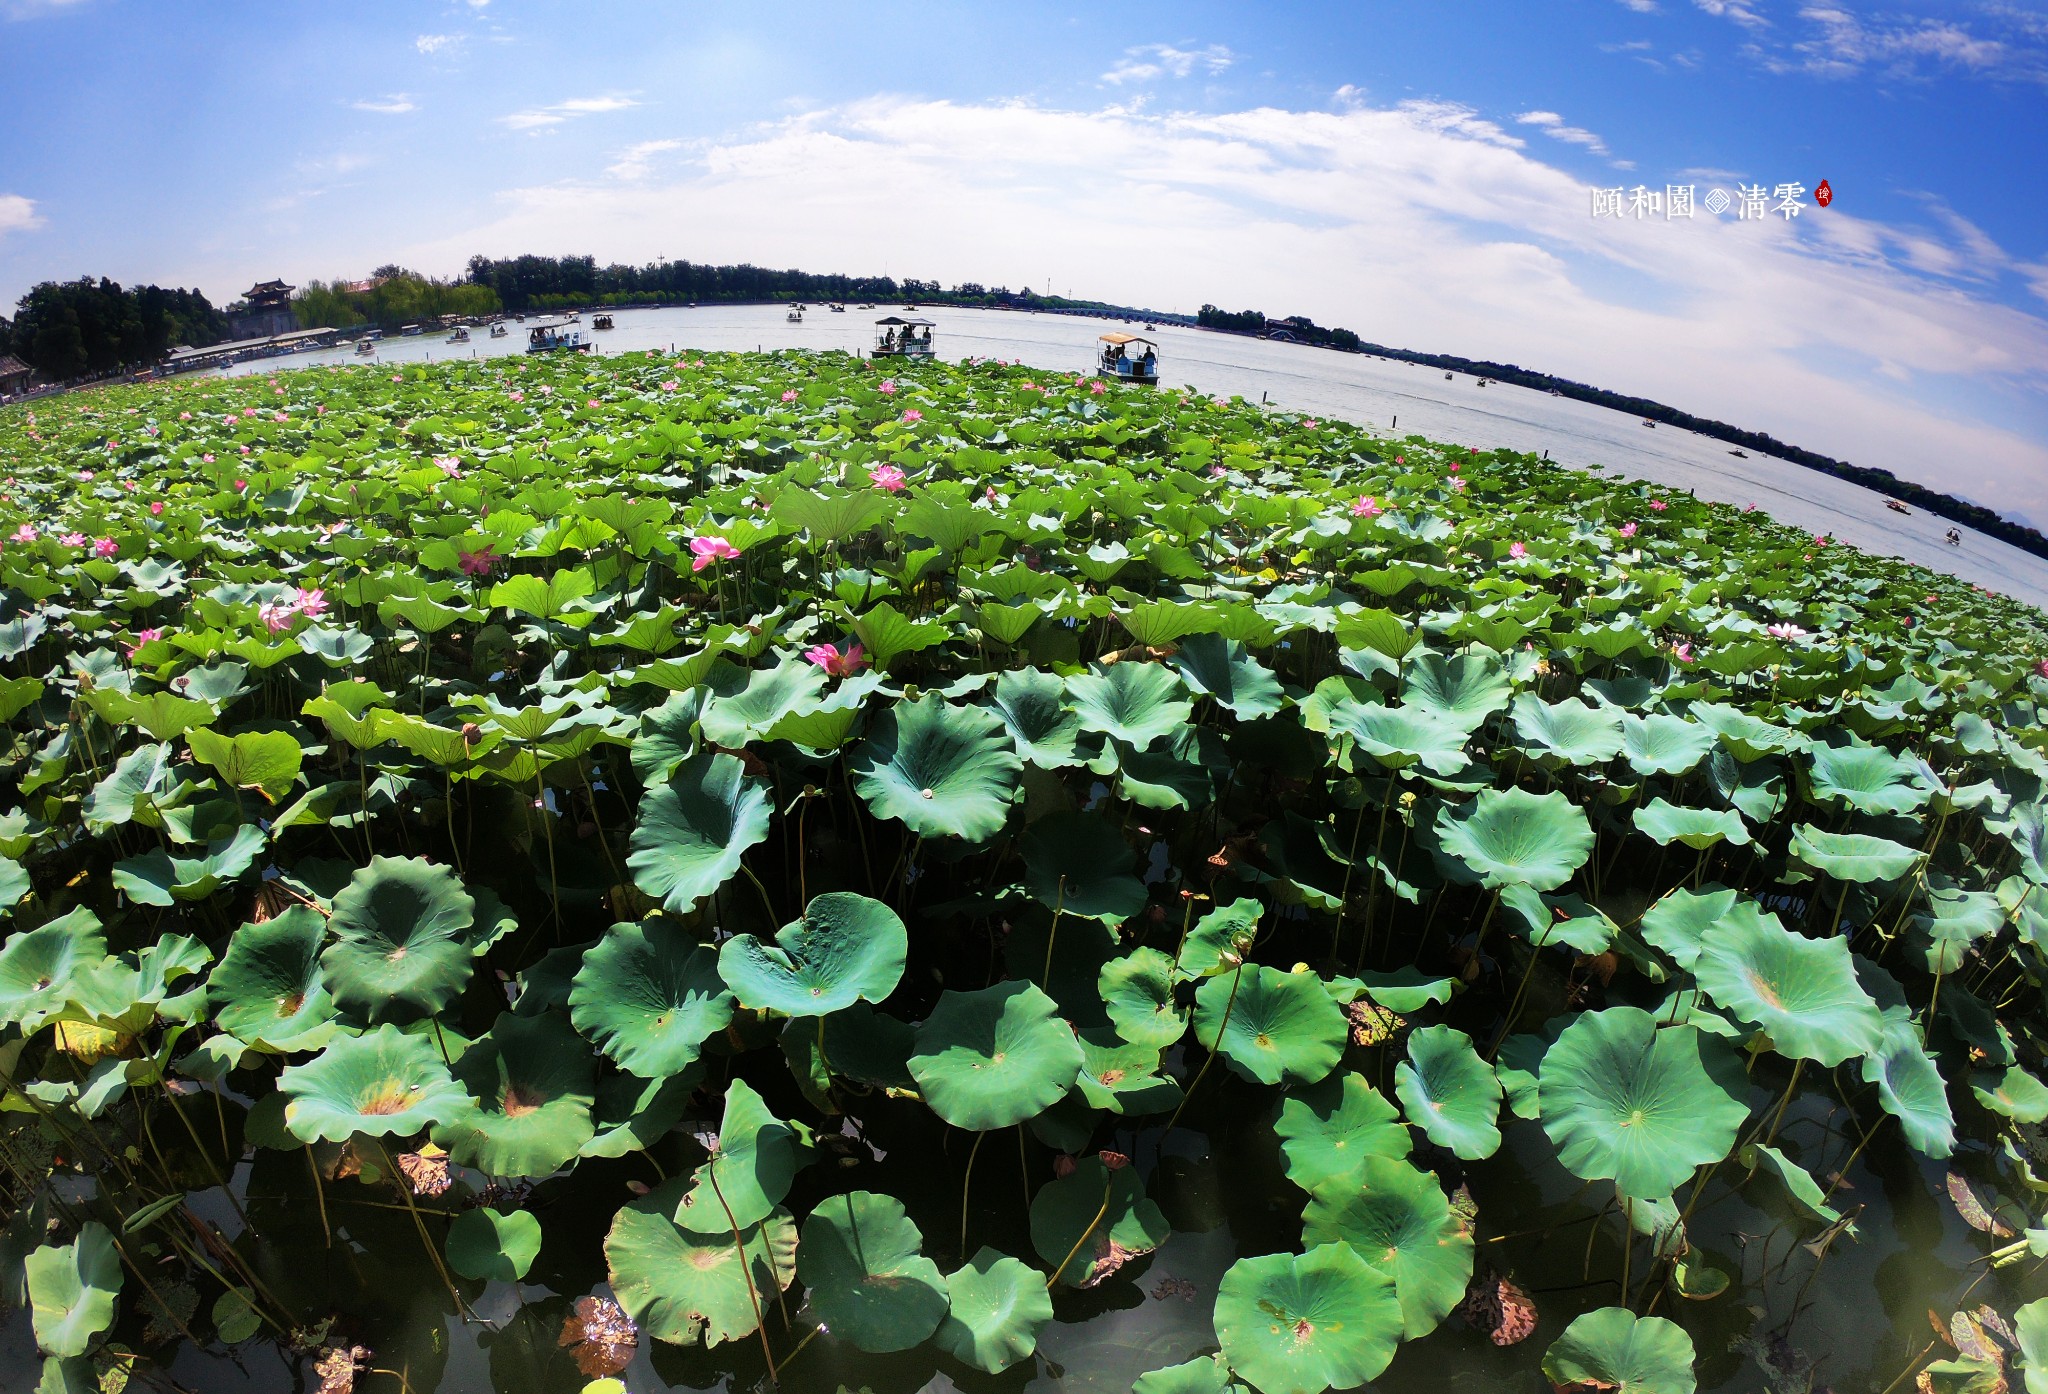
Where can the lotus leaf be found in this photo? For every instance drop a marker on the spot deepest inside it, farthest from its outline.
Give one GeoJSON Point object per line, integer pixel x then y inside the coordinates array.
{"type": "Point", "coordinates": [1855, 857]}
{"type": "Point", "coordinates": [381, 1083]}
{"type": "Point", "coordinates": [869, 1280]}
{"type": "Point", "coordinates": [997, 1305]}
{"type": "Point", "coordinates": [1137, 703]}
{"type": "Point", "coordinates": [404, 934]}
{"type": "Point", "coordinates": [1087, 1224]}
{"type": "Point", "coordinates": [1079, 864]}
{"type": "Point", "coordinates": [1802, 992]}
{"type": "Point", "coordinates": [1698, 828]}
{"type": "Point", "coordinates": [39, 966]}
{"type": "Point", "coordinates": [649, 996]}
{"type": "Point", "coordinates": [847, 948]}
{"type": "Point", "coordinates": [1614, 1350]}
{"type": "Point", "coordinates": [1271, 1027]}
{"type": "Point", "coordinates": [750, 1169]}
{"type": "Point", "coordinates": [531, 1084]}
{"type": "Point", "coordinates": [1399, 1221]}
{"type": "Point", "coordinates": [940, 769]}
{"type": "Point", "coordinates": [691, 1288]}
{"type": "Point", "coordinates": [269, 988]}
{"type": "Point", "coordinates": [694, 829]}
{"type": "Point", "coordinates": [994, 1057]}
{"type": "Point", "coordinates": [1449, 1092]}
{"type": "Point", "coordinates": [72, 1289]}
{"type": "Point", "coordinates": [490, 1246]}
{"type": "Point", "coordinates": [1509, 836]}
{"type": "Point", "coordinates": [1137, 992]}
{"type": "Point", "coordinates": [1304, 1323]}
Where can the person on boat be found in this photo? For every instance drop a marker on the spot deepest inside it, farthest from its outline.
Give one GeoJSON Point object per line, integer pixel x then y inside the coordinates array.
{"type": "Point", "coordinates": [1146, 364]}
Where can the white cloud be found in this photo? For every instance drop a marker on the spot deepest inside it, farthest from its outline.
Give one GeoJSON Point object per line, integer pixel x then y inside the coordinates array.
{"type": "Point", "coordinates": [30, 9]}
{"type": "Point", "coordinates": [1737, 10]}
{"type": "Point", "coordinates": [1149, 61]}
{"type": "Point", "coordinates": [637, 161]}
{"type": "Point", "coordinates": [1422, 225]}
{"type": "Point", "coordinates": [1553, 125]}
{"type": "Point", "coordinates": [17, 214]}
{"type": "Point", "coordinates": [431, 44]}
{"type": "Point", "coordinates": [1642, 7]}
{"type": "Point", "coordinates": [391, 104]}
{"type": "Point", "coordinates": [537, 118]}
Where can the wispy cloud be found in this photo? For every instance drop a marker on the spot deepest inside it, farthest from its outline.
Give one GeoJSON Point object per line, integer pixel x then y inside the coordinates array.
{"type": "Point", "coordinates": [1553, 125]}
{"type": "Point", "coordinates": [391, 104]}
{"type": "Point", "coordinates": [1642, 7]}
{"type": "Point", "coordinates": [431, 44]}
{"type": "Point", "coordinates": [1737, 10]}
{"type": "Point", "coordinates": [1148, 61]}
{"type": "Point", "coordinates": [536, 118]}
{"type": "Point", "coordinates": [637, 161]}
{"type": "Point", "coordinates": [30, 9]}
{"type": "Point", "coordinates": [17, 214]}
{"type": "Point", "coordinates": [1840, 43]}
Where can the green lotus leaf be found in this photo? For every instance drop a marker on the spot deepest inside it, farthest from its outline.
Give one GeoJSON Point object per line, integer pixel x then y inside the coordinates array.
{"type": "Point", "coordinates": [1326, 1130]}
{"type": "Point", "coordinates": [488, 1246]}
{"type": "Point", "coordinates": [1954, 921]}
{"type": "Point", "coordinates": [1400, 736]}
{"type": "Point", "coordinates": [1137, 992]}
{"type": "Point", "coordinates": [159, 878]}
{"type": "Point", "coordinates": [847, 948]}
{"type": "Point", "coordinates": [865, 1046]}
{"type": "Point", "coordinates": [531, 1083]}
{"type": "Point", "coordinates": [632, 1114]}
{"type": "Point", "coordinates": [1406, 989]}
{"type": "Point", "coordinates": [1221, 939]}
{"type": "Point", "coordinates": [269, 988]}
{"type": "Point", "coordinates": [1032, 706]}
{"type": "Point", "coordinates": [1226, 671]}
{"type": "Point", "coordinates": [72, 1289]}
{"type": "Point", "coordinates": [381, 1083]}
{"type": "Point", "coordinates": [1547, 920]}
{"type": "Point", "coordinates": [667, 736]}
{"type": "Point", "coordinates": [1854, 857]}
{"type": "Point", "coordinates": [734, 720]}
{"type": "Point", "coordinates": [1079, 864]}
{"type": "Point", "coordinates": [404, 940]}
{"type": "Point", "coordinates": [861, 1258]}
{"type": "Point", "coordinates": [1087, 1224]}
{"type": "Point", "coordinates": [2014, 1094]}
{"type": "Point", "coordinates": [39, 967]}
{"type": "Point", "coordinates": [1136, 703]}
{"type": "Point", "coordinates": [1614, 1351]}
{"type": "Point", "coordinates": [1517, 1065]}
{"type": "Point", "coordinates": [1449, 1092]}
{"type": "Point", "coordinates": [750, 1170]}
{"type": "Point", "coordinates": [128, 790]}
{"type": "Point", "coordinates": [1799, 1184]}
{"type": "Point", "coordinates": [1625, 1101]}
{"type": "Point", "coordinates": [1802, 992]}
{"type": "Point", "coordinates": [1510, 836]}
{"type": "Point", "coordinates": [1867, 778]}
{"type": "Point", "coordinates": [1398, 1219]}
{"type": "Point", "coordinates": [266, 761]}
{"type": "Point", "coordinates": [691, 1288]}
{"type": "Point", "coordinates": [1570, 732]}
{"type": "Point", "coordinates": [1910, 1087]}
{"type": "Point", "coordinates": [997, 1305]}
{"type": "Point", "coordinates": [694, 829]}
{"type": "Point", "coordinates": [1271, 1027]}
{"type": "Point", "coordinates": [1679, 921]}
{"type": "Point", "coordinates": [1745, 736]}
{"type": "Point", "coordinates": [1205, 1374]}
{"type": "Point", "coordinates": [1661, 744]}
{"type": "Point", "coordinates": [941, 769]}
{"type": "Point", "coordinates": [649, 996]}
{"type": "Point", "coordinates": [1123, 1078]}
{"type": "Point", "coordinates": [2030, 1324]}
{"type": "Point", "coordinates": [1698, 828]}
{"type": "Point", "coordinates": [1464, 689]}
{"type": "Point", "coordinates": [1304, 1323]}
{"type": "Point", "coordinates": [994, 1057]}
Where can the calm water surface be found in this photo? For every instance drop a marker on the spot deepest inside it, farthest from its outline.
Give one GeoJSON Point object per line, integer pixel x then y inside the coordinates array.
{"type": "Point", "coordinates": [1379, 393]}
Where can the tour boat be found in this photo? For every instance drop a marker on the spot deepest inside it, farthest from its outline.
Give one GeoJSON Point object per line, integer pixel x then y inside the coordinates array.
{"type": "Point", "coordinates": [1651, 424]}
{"type": "Point", "coordinates": [1739, 454]}
{"type": "Point", "coordinates": [499, 331]}
{"type": "Point", "coordinates": [409, 331]}
{"type": "Point", "coordinates": [460, 336]}
{"type": "Point", "coordinates": [836, 308]}
{"type": "Point", "coordinates": [366, 347]}
{"type": "Point", "coordinates": [1896, 506]}
{"type": "Point", "coordinates": [795, 316]}
{"type": "Point", "coordinates": [897, 337]}
{"type": "Point", "coordinates": [1128, 358]}
{"type": "Point", "coordinates": [549, 335]}
{"type": "Point", "coordinates": [601, 322]}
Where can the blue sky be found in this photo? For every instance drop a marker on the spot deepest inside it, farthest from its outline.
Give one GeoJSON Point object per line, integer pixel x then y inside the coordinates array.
{"type": "Point", "coordinates": [1421, 173]}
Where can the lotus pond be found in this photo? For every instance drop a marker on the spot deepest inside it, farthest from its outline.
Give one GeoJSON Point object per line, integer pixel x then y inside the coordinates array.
{"type": "Point", "coordinates": [742, 871]}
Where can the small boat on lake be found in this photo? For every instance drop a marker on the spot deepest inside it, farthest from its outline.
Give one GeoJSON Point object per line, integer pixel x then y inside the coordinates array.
{"type": "Point", "coordinates": [1651, 424]}
{"type": "Point", "coordinates": [499, 331]}
{"type": "Point", "coordinates": [601, 322]}
{"type": "Point", "coordinates": [547, 336]}
{"type": "Point", "coordinates": [1897, 506]}
{"type": "Point", "coordinates": [1151, 329]}
{"type": "Point", "coordinates": [897, 337]}
{"type": "Point", "coordinates": [460, 336]}
{"type": "Point", "coordinates": [1739, 454]}
{"type": "Point", "coordinates": [795, 316]}
{"type": "Point", "coordinates": [409, 331]}
{"type": "Point", "coordinates": [1449, 377]}
{"type": "Point", "coordinates": [365, 347]}
{"type": "Point", "coordinates": [1128, 358]}
{"type": "Point", "coordinates": [836, 308]}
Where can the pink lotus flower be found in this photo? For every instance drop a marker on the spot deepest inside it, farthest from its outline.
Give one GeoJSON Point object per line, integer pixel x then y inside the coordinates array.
{"type": "Point", "coordinates": [280, 416]}
{"type": "Point", "coordinates": [669, 384]}
{"type": "Point", "coordinates": [24, 533]}
{"type": "Point", "coordinates": [248, 411]}
{"type": "Point", "coordinates": [989, 493]}
{"type": "Point", "coordinates": [518, 396]}
{"type": "Point", "coordinates": [1095, 386]}
{"type": "Point", "coordinates": [888, 477]}
{"type": "Point", "coordinates": [2042, 667]}
{"type": "Point", "coordinates": [1364, 506]}
{"type": "Point", "coordinates": [277, 617]}
{"type": "Point", "coordinates": [1458, 486]}
{"type": "Point", "coordinates": [888, 386]}
{"type": "Point", "coordinates": [73, 539]}
{"type": "Point", "coordinates": [1749, 508]}
{"type": "Point", "coordinates": [245, 450]}
{"type": "Point", "coordinates": [156, 509]}
{"type": "Point", "coordinates": [1456, 466]}
{"type": "Point", "coordinates": [148, 636]}
{"type": "Point", "coordinates": [789, 395]}
{"type": "Point", "coordinates": [1400, 459]}
{"type": "Point", "coordinates": [106, 547]}
{"type": "Point", "coordinates": [707, 550]}
{"type": "Point", "coordinates": [184, 416]}
{"type": "Point", "coordinates": [1658, 505]}
{"type": "Point", "coordinates": [835, 663]}
{"type": "Point", "coordinates": [478, 563]}
{"type": "Point", "coordinates": [206, 459]}
{"type": "Point", "coordinates": [1628, 529]}
{"type": "Point", "coordinates": [241, 484]}
{"type": "Point", "coordinates": [1930, 600]}
{"type": "Point", "coordinates": [1682, 651]}
{"type": "Point", "coordinates": [913, 415]}
{"type": "Point", "coordinates": [1787, 632]}
{"type": "Point", "coordinates": [1217, 471]}
{"type": "Point", "coordinates": [311, 603]}
{"type": "Point", "coordinates": [85, 476]}
{"type": "Point", "coordinates": [1517, 550]}
{"type": "Point", "coordinates": [1312, 424]}
{"type": "Point", "coordinates": [1820, 539]}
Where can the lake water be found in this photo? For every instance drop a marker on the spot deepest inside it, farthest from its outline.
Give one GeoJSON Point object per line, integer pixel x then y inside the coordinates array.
{"type": "Point", "coordinates": [1385, 395]}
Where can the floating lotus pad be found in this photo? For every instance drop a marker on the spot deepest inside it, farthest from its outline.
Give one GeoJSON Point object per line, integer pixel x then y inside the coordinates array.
{"type": "Point", "coordinates": [1449, 1092]}
{"type": "Point", "coordinates": [1803, 992]}
{"type": "Point", "coordinates": [37, 967]}
{"type": "Point", "coordinates": [490, 1246]}
{"type": "Point", "coordinates": [996, 1306]}
{"type": "Point", "coordinates": [1137, 992]}
{"type": "Point", "coordinates": [1304, 1323]}
{"type": "Point", "coordinates": [1327, 1129]}
{"type": "Point", "coordinates": [994, 1057]}
{"type": "Point", "coordinates": [72, 1289]}
{"type": "Point", "coordinates": [693, 830]}
{"type": "Point", "coordinates": [847, 948]}
{"type": "Point", "coordinates": [691, 1288]}
{"type": "Point", "coordinates": [1510, 836]}
{"type": "Point", "coordinates": [1269, 1026]}
{"type": "Point", "coordinates": [1615, 1352]}
{"type": "Point", "coordinates": [1079, 864]}
{"type": "Point", "coordinates": [750, 1169]}
{"type": "Point", "coordinates": [268, 988]}
{"type": "Point", "coordinates": [1087, 1224]}
{"type": "Point", "coordinates": [531, 1084]}
{"type": "Point", "coordinates": [649, 996]}
{"type": "Point", "coordinates": [1397, 1218]}
{"type": "Point", "coordinates": [1625, 1101]}
{"type": "Point", "coordinates": [404, 940]}
{"type": "Point", "coordinates": [382, 1083]}
{"type": "Point", "coordinates": [869, 1281]}
{"type": "Point", "coordinates": [940, 769]}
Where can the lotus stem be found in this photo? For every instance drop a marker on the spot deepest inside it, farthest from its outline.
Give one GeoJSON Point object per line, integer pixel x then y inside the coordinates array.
{"type": "Point", "coordinates": [1210, 1058]}
{"type": "Point", "coordinates": [547, 827]}
{"type": "Point", "coordinates": [1052, 935]}
{"type": "Point", "coordinates": [426, 1241]}
{"type": "Point", "coordinates": [1628, 1241]}
{"type": "Point", "coordinates": [746, 1272]}
{"type": "Point", "coordinates": [1784, 1101]}
{"type": "Point", "coordinates": [319, 1195]}
{"type": "Point", "coordinates": [1108, 1185]}
{"type": "Point", "coordinates": [966, 1185]}
{"type": "Point", "coordinates": [206, 1156]}
{"type": "Point", "coordinates": [1515, 1007]}
{"type": "Point", "coordinates": [766, 904]}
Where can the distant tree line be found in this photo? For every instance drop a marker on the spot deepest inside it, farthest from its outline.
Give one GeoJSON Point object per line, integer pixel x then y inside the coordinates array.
{"type": "Point", "coordinates": [393, 296]}
{"type": "Point", "coordinates": [1299, 328]}
{"type": "Point", "coordinates": [87, 327]}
